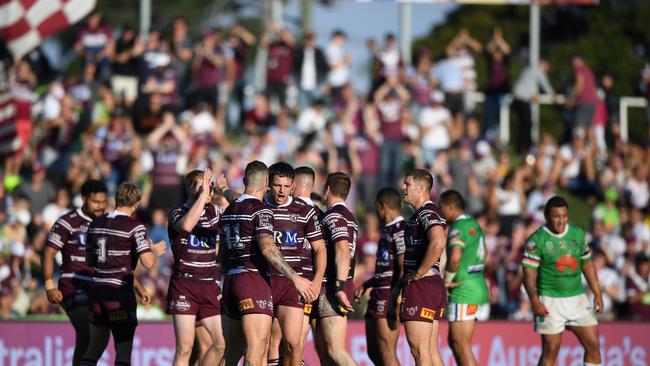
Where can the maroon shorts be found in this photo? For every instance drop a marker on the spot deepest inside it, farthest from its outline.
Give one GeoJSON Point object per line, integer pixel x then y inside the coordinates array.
{"type": "Point", "coordinates": [75, 292]}
{"type": "Point", "coordinates": [378, 303]}
{"type": "Point", "coordinates": [247, 293]}
{"type": "Point", "coordinates": [111, 305]}
{"type": "Point", "coordinates": [328, 305]}
{"type": "Point", "coordinates": [285, 293]}
{"type": "Point", "coordinates": [424, 300]}
{"type": "Point", "coordinates": [193, 297]}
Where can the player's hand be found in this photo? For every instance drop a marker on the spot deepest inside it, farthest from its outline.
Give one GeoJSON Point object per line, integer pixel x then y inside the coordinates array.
{"type": "Point", "coordinates": [206, 187]}
{"type": "Point", "coordinates": [315, 288]}
{"type": "Point", "coordinates": [598, 303]}
{"type": "Point", "coordinates": [538, 308]}
{"type": "Point", "coordinates": [222, 182]}
{"type": "Point", "coordinates": [344, 302]}
{"type": "Point", "coordinates": [304, 287]}
{"type": "Point", "coordinates": [359, 292]}
{"type": "Point", "coordinates": [54, 296]}
{"type": "Point", "coordinates": [145, 297]}
{"type": "Point", "coordinates": [413, 276]}
{"type": "Point", "coordinates": [158, 248]}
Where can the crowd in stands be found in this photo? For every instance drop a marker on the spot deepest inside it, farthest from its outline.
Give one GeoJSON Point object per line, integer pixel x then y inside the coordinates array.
{"type": "Point", "coordinates": [150, 110]}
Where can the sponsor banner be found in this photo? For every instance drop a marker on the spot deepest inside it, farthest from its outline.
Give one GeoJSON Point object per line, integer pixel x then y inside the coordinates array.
{"type": "Point", "coordinates": [496, 343]}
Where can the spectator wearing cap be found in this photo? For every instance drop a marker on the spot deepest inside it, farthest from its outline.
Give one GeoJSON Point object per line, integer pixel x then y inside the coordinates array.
{"type": "Point", "coordinates": [124, 81]}
{"type": "Point", "coordinates": [607, 211]}
{"type": "Point", "coordinates": [162, 81]}
{"type": "Point", "coordinates": [95, 44]}
{"type": "Point", "coordinates": [39, 190]}
{"type": "Point", "coordinates": [637, 288]}
{"type": "Point", "coordinates": [279, 64]}
{"type": "Point", "coordinates": [309, 70]}
{"type": "Point", "coordinates": [435, 122]}
{"type": "Point", "coordinates": [390, 100]}
{"type": "Point", "coordinates": [584, 95]}
{"type": "Point", "coordinates": [210, 67]}
{"type": "Point", "coordinates": [525, 92]}
{"type": "Point", "coordinates": [485, 164]}
{"type": "Point", "coordinates": [339, 62]}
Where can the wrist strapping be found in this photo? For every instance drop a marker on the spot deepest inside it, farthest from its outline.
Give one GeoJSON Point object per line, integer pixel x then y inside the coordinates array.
{"type": "Point", "coordinates": [449, 277]}
{"type": "Point", "coordinates": [339, 285]}
{"type": "Point", "coordinates": [50, 285]}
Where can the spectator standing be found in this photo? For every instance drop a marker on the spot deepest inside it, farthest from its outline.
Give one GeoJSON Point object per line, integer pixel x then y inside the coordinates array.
{"type": "Point", "coordinates": [339, 63]}
{"type": "Point", "coordinates": [181, 47]}
{"type": "Point", "coordinates": [39, 190]}
{"type": "Point", "coordinates": [449, 78]}
{"type": "Point", "coordinates": [584, 95]}
{"type": "Point", "coordinates": [390, 100]}
{"type": "Point", "coordinates": [420, 81]}
{"type": "Point", "coordinates": [239, 41]}
{"type": "Point", "coordinates": [310, 70]}
{"type": "Point", "coordinates": [210, 65]}
{"type": "Point", "coordinates": [498, 85]}
{"type": "Point", "coordinates": [637, 187]}
{"type": "Point", "coordinates": [95, 44]}
{"type": "Point", "coordinates": [435, 122]}
{"type": "Point", "coordinates": [124, 81]}
{"type": "Point", "coordinates": [461, 51]}
{"type": "Point", "coordinates": [280, 45]}
{"type": "Point", "coordinates": [525, 92]}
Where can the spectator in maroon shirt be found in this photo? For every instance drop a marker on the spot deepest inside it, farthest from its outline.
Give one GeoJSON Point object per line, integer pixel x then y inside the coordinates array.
{"type": "Point", "coordinates": [498, 85]}
{"type": "Point", "coordinates": [95, 44]}
{"type": "Point", "coordinates": [166, 143]}
{"type": "Point", "coordinates": [210, 66]}
{"type": "Point", "coordinates": [239, 41]}
{"type": "Point", "coordinates": [584, 96]}
{"type": "Point", "coordinates": [259, 119]}
{"type": "Point", "coordinates": [280, 45]}
{"type": "Point", "coordinates": [390, 99]}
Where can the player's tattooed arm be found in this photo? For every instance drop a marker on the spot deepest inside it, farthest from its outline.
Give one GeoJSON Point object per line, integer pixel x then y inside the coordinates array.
{"type": "Point", "coordinates": [230, 195]}
{"type": "Point", "coordinates": [274, 257]}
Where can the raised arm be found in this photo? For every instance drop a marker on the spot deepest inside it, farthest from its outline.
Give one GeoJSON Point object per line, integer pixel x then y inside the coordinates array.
{"type": "Point", "coordinates": [187, 222]}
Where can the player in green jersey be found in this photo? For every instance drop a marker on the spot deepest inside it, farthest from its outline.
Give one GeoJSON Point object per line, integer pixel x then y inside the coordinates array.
{"type": "Point", "coordinates": [555, 256]}
{"type": "Point", "coordinates": [468, 292]}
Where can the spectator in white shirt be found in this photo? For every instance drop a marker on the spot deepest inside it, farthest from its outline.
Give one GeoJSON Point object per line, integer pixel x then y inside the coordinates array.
{"type": "Point", "coordinates": [339, 62]}
{"type": "Point", "coordinates": [435, 122]}
{"type": "Point", "coordinates": [637, 187]}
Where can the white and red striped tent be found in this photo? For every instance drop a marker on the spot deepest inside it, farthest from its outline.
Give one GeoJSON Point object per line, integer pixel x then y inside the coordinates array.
{"type": "Point", "coordinates": [24, 24]}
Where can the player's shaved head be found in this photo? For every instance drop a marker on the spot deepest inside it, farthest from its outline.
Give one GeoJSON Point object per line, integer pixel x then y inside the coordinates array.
{"type": "Point", "coordinates": [390, 198]}
{"type": "Point", "coordinates": [453, 198]}
{"type": "Point", "coordinates": [256, 175]}
{"type": "Point", "coordinates": [304, 178]}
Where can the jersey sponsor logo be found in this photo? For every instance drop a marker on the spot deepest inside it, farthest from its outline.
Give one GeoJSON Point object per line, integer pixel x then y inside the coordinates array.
{"type": "Point", "coordinates": [472, 231]}
{"type": "Point", "coordinates": [339, 229]}
{"type": "Point", "coordinates": [182, 304]}
{"type": "Point", "coordinates": [286, 237]}
{"type": "Point", "coordinates": [471, 309]}
{"type": "Point", "coordinates": [261, 303]}
{"type": "Point", "coordinates": [116, 316]}
{"type": "Point", "coordinates": [427, 313]}
{"type": "Point", "coordinates": [307, 309]}
{"type": "Point", "coordinates": [196, 242]}
{"type": "Point", "coordinates": [54, 236]}
{"type": "Point", "coordinates": [246, 304]}
{"type": "Point", "coordinates": [565, 262]}
{"type": "Point", "coordinates": [293, 217]}
{"type": "Point", "coordinates": [82, 239]}
{"type": "Point", "coordinates": [562, 245]}
{"type": "Point", "coordinates": [265, 220]}
{"type": "Point", "coordinates": [140, 238]}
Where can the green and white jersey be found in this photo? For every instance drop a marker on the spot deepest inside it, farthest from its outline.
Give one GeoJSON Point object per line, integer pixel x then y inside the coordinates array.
{"type": "Point", "coordinates": [466, 233]}
{"type": "Point", "coordinates": [558, 259]}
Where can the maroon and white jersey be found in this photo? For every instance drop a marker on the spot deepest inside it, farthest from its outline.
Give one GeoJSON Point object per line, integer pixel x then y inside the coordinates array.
{"type": "Point", "coordinates": [68, 234]}
{"type": "Point", "coordinates": [195, 254]}
{"type": "Point", "coordinates": [415, 235]}
{"type": "Point", "coordinates": [339, 224]}
{"type": "Point", "coordinates": [391, 245]}
{"type": "Point", "coordinates": [241, 222]}
{"type": "Point", "coordinates": [295, 224]}
{"type": "Point", "coordinates": [115, 242]}
{"type": "Point", "coordinates": [307, 254]}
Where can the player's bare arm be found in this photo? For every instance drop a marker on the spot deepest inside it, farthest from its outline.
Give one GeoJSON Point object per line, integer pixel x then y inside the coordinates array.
{"type": "Point", "coordinates": [320, 263]}
{"type": "Point", "coordinates": [436, 238]}
{"type": "Point", "coordinates": [592, 279]}
{"type": "Point", "coordinates": [54, 295]}
{"type": "Point", "coordinates": [453, 261]}
{"type": "Point", "coordinates": [141, 292]}
{"type": "Point", "coordinates": [342, 260]}
{"type": "Point", "coordinates": [273, 256]}
{"type": "Point", "coordinates": [530, 284]}
{"type": "Point", "coordinates": [230, 195]}
{"type": "Point", "coordinates": [191, 218]}
{"type": "Point", "coordinates": [149, 259]}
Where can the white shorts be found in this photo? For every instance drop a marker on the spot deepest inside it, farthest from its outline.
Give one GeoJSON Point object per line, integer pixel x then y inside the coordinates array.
{"type": "Point", "coordinates": [463, 312]}
{"type": "Point", "coordinates": [576, 311]}
{"type": "Point", "coordinates": [126, 86]}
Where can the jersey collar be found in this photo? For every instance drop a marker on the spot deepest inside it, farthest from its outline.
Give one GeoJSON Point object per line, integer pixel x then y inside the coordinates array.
{"type": "Point", "coordinates": [116, 213]}
{"type": "Point", "coordinates": [462, 217]}
{"type": "Point", "coordinates": [268, 202]}
{"type": "Point", "coordinates": [396, 220]}
{"type": "Point", "coordinates": [560, 235]}
{"type": "Point", "coordinates": [339, 203]}
{"type": "Point", "coordinates": [245, 196]}
{"type": "Point", "coordinates": [307, 201]}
